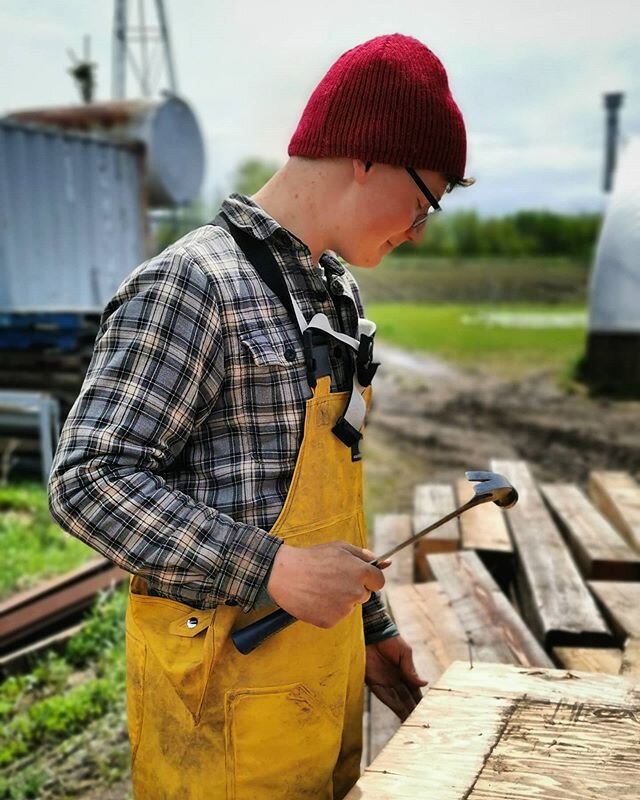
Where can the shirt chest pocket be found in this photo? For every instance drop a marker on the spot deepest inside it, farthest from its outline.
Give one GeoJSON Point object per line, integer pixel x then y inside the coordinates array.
{"type": "Point", "coordinates": [262, 349]}
{"type": "Point", "coordinates": [274, 390]}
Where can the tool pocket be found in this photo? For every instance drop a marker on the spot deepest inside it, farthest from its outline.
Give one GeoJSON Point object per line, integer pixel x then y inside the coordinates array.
{"type": "Point", "coordinates": [179, 644]}
{"type": "Point", "coordinates": [282, 742]}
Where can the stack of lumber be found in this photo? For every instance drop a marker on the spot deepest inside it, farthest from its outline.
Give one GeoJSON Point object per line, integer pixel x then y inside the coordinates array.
{"type": "Point", "coordinates": [46, 351]}
{"type": "Point", "coordinates": [501, 731]}
{"type": "Point", "coordinates": [555, 581]}
{"type": "Point", "coordinates": [42, 351]}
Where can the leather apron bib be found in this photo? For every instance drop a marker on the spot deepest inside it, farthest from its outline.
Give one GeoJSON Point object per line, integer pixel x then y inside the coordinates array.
{"type": "Point", "coordinates": [285, 721]}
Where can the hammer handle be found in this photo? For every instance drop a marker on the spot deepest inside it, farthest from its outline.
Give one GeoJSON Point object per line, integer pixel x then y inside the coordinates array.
{"type": "Point", "coordinates": [247, 639]}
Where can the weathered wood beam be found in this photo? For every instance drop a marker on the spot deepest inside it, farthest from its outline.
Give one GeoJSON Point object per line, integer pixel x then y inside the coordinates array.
{"type": "Point", "coordinates": [617, 495]}
{"type": "Point", "coordinates": [621, 603]}
{"type": "Point", "coordinates": [493, 629]}
{"type": "Point", "coordinates": [554, 600]}
{"type": "Point", "coordinates": [599, 549]}
{"type": "Point", "coordinates": [589, 659]}
{"type": "Point", "coordinates": [431, 503]}
{"type": "Point", "coordinates": [501, 732]}
{"type": "Point", "coordinates": [484, 529]}
{"type": "Point", "coordinates": [388, 531]}
{"type": "Point", "coordinates": [429, 624]}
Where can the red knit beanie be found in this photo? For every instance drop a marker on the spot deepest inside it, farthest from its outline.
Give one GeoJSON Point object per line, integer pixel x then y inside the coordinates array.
{"type": "Point", "coordinates": [386, 101]}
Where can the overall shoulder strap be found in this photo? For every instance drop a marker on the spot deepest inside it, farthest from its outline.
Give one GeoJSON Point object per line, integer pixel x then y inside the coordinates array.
{"type": "Point", "coordinates": [262, 260]}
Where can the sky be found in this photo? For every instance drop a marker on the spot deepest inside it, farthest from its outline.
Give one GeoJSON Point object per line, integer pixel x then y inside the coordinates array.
{"type": "Point", "coordinates": [528, 76]}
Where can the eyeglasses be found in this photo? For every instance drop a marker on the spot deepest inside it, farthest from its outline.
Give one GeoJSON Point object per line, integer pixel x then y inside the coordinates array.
{"type": "Point", "coordinates": [423, 216]}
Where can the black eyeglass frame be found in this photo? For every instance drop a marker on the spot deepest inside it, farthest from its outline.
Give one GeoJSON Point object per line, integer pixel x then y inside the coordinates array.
{"type": "Point", "coordinates": [435, 206]}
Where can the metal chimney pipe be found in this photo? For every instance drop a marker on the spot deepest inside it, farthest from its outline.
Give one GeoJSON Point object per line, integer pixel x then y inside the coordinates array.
{"type": "Point", "coordinates": [612, 103]}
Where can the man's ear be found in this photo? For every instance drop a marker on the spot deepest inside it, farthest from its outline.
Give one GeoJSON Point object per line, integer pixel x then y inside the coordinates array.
{"type": "Point", "coordinates": [360, 170]}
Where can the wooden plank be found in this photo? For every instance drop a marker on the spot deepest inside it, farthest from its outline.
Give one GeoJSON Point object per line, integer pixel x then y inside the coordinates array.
{"type": "Point", "coordinates": [429, 624]}
{"type": "Point", "coordinates": [630, 666]}
{"type": "Point", "coordinates": [483, 527]}
{"type": "Point", "coordinates": [388, 530]}
{"type": "Point", "coordinates": [554, 600]}
{"type": "Point", "coordinates": [509, 733]}
{"type": "Point", "coordinates": [493, 629]}
{"type": "Point", "coordinates": [617, 495]}
{"type": "Point", "coordinates": [600, 551]}
{"type": "Point", "coordinates": [590, 659]}
{"type": "Point", "coordinates": [621, 603]}
{"type": "Point", "coordinates": [431, 503]}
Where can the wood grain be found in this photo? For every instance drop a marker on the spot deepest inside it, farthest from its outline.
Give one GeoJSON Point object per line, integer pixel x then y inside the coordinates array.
{"type": "Point", "coordinates": [556, 604]}
{"type": "Point", "coordinates": [617, 495]}
{"type": "Point", "coordinates": [599, 549]}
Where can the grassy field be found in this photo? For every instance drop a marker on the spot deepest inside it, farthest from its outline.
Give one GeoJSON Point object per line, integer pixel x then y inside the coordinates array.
{"type": "Point", "coordinates": [509, 339]}
{"type": "Point", "coordinates": [33, 547]}
{"type": "Point", "coordinates": [63, 723]}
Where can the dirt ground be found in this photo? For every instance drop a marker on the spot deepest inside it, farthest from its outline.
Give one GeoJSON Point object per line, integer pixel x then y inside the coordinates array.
{"type": "Point", "coordinates": [432, 421]}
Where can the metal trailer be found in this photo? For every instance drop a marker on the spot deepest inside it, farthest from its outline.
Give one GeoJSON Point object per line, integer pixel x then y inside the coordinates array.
{"type": "Point", "coordinates": [72, 218]}
{"type": "Point", "coordinates": [73, 225]}
{"type": "Point", "coordinates": [168, 129]}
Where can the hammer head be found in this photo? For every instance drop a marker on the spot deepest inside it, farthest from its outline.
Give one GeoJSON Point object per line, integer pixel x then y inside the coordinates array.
{"type": "Point", "coordinates": [492, 486]}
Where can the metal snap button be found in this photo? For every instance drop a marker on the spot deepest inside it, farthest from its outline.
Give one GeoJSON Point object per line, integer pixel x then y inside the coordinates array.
{"type": "Point", "coordinates": [192, 622]}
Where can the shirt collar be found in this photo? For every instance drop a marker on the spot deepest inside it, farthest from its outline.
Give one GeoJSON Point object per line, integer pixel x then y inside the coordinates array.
{"type": "Point", "coordinates": [247, 214]}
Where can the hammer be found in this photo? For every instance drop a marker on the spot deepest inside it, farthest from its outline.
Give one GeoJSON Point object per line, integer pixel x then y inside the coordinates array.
{"type": "Point", "coordinates": [489, 486]}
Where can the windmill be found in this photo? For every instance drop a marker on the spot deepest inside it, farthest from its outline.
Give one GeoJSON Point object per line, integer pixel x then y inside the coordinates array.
{"type": "Point", "coordinates": [83, 71]}
{"type": "Point", "coordinates": [144, 48]}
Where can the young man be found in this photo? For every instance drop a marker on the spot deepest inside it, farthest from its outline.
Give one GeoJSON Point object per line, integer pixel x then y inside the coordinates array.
{"type": "Point", "coordinates": [214, 449]}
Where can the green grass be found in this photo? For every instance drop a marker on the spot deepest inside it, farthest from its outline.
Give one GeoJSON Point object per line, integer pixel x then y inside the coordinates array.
{"type": "Point", "coordinates": [45, 709]}
{"type": "Point", "coordinates": [33, 547]}
{"type": "Point", "coordinates": [464, 335]}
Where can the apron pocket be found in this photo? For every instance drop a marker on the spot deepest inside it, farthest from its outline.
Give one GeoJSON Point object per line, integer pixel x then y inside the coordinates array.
{"type": "Point", "coordinates": [136, 657]}
{"type": "Point", "coordinates": [282, 743]}
{"type": "Point", "coordinates": [180, 640]}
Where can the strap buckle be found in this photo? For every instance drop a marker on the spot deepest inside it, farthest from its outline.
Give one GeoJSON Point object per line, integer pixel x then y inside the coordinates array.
{"type": "Point", "coordinates": [366, 367]}
{"type": "Point", "coordinates": [349, 436]}
{"type": "Point", "coordinates": [316, 355]}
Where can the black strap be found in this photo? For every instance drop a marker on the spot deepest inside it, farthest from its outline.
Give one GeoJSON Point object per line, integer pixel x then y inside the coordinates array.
{"type": "Point", "coordinates": [259, 255]}
{"type": "Point", "coordinates": [316, 350]}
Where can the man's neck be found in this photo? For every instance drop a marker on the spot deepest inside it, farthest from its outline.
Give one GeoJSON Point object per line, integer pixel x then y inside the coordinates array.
{"type": "Point", "coordinates": [293, 198]}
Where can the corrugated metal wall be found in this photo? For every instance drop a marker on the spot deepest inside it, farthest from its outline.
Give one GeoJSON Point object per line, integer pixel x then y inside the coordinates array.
{"type": "Point", "coordinates": [72, 218]}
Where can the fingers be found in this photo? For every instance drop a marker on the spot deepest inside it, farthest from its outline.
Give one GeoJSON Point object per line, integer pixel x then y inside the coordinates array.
{"type": "Point", "coordinates": [408, 670]}
{"type": "Point", "coordinates": [373, 579]}
{"type": "Point", "coordinates": [359, 552]}
{"type": "Point", "coordinates": [397, 697]}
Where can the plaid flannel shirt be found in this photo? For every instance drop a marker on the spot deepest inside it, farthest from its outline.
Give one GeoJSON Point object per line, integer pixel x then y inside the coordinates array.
{"type": "Point", "coordinates": [176, 458]}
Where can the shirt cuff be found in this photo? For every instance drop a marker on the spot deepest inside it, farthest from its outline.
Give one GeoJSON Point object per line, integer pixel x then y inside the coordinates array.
{"type": "Point", "coordinates": [263, 599]}
{"type": "Point", "coordinates": [378, 625]}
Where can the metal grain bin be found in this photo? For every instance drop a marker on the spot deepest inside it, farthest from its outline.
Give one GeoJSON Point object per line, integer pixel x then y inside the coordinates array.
{"type": "Point", "coordinates": [613, 351]}
{"type": "Point", "coordinates": [72, 218]}
{"type": "Point", "coordinates": [168, 129]}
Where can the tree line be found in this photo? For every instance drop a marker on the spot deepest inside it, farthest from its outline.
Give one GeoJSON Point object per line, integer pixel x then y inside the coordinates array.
{"type": "Point", "coordinates": [451, 234]}
{"type": "Point", "coordinates": [524, 233]}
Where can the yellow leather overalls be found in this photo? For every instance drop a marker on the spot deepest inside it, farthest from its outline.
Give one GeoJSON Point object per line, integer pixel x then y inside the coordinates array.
{"type": "Point", "coordinates": [285, 721]}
